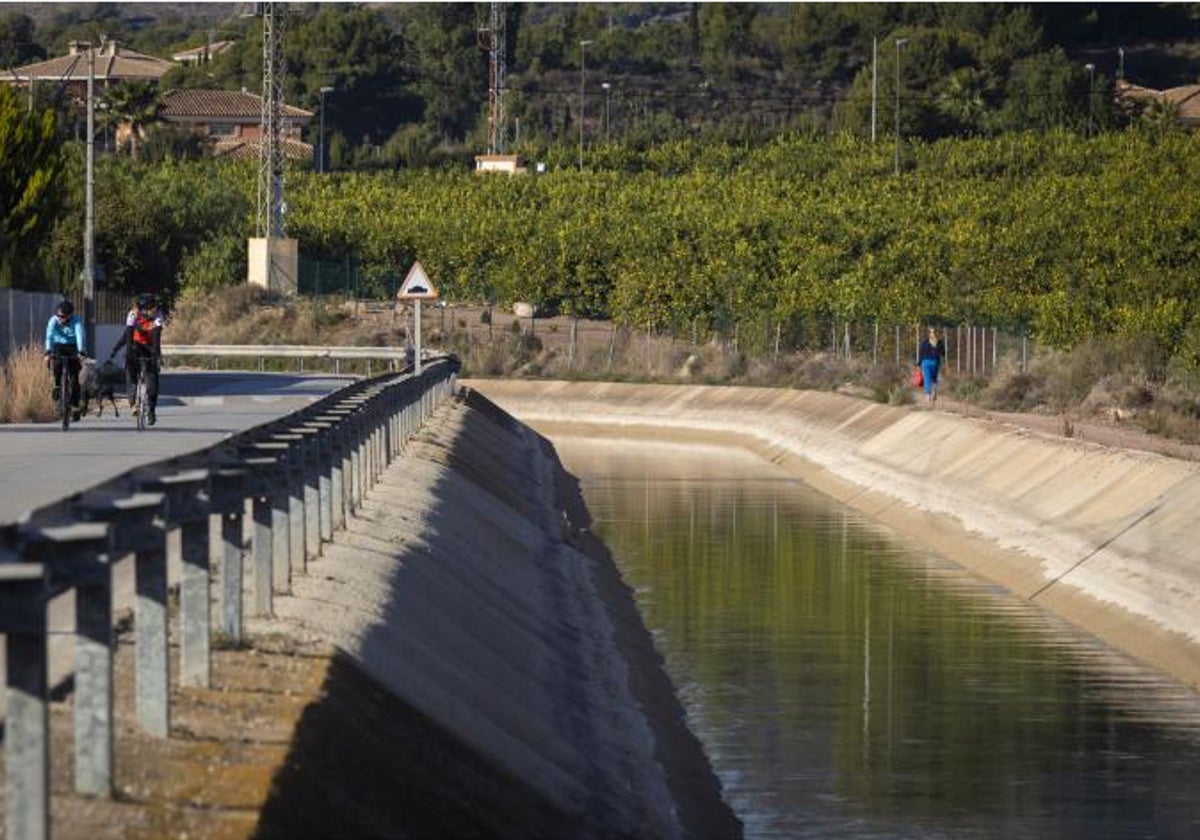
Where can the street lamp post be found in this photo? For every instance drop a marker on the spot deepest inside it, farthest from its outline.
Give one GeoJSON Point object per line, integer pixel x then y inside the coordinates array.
{"type": "Point", "coordinates": [321, 132]}
{"type": "Point", "coordinates": [900, 42]}
{"type": "Point", "coordinates": [607, 89]}
{"type": "Point", "coordinates": [1091, 68]}
{"type": "Point", "coordinates": [88, 309]}
{"type": "Point", "coordinates": [583, 45]}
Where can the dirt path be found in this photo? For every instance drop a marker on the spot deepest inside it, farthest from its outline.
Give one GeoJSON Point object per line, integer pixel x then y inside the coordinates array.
{"type": "Point", "coordinates": [1120, 435]}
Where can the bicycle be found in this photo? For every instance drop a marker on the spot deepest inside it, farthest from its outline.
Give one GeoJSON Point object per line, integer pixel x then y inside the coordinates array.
{"type": "Point", "coordinates": [64, 383]}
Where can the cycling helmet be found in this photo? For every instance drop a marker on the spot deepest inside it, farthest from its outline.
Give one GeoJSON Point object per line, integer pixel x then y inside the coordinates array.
{"type": "Point", "coordinates": [146, 300]}
{"type": "Point", "coordinates": [65, 308]}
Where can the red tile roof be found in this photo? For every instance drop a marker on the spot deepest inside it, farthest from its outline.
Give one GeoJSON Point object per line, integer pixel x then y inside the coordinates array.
{"type": "Point", "coordinates": [238, 105]}
{"type": "Point", "coordinates": [1186, 98]}
{"type": "Point", "coordinates": [250, 149]}
{"type": "Point", "coordinates": [113, 63]}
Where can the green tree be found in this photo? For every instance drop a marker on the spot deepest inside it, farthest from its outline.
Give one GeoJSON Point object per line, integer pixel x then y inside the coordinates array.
{"type": "Point", "coordinates": [134, 106]}
{"type": "Point", "coordinates": [30, 189]}
{"type": "Point", "coordinates": [1044, 92]}
{"type": "Point", "coordinates": [17, 45]}
{"type": "Point", "coordinates": [353, 50]}
{"type": "Point", "coordinates": [451, 70]}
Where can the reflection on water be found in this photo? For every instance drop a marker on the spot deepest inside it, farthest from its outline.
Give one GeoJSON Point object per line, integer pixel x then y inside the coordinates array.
{"type": "Point", "coordinates": [845, 685]}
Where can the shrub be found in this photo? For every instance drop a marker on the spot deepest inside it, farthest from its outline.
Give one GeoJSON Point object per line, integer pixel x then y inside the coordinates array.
{"type": "Point", "coordinates": [27, 385]}
{"type": "Point", "coordinates": [1014, 390]}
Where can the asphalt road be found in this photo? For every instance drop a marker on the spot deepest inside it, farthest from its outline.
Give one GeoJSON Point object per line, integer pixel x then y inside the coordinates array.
{"type": "Point", "coordinates": [39, 463]}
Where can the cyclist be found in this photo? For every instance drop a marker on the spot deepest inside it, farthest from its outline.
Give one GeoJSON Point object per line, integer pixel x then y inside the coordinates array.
{"type": "Point", "coordinates": [64, 341]}
{"type": "Point", "coordinates": [143, 342]}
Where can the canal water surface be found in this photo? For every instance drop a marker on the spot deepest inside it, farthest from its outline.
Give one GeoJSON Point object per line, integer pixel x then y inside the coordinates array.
{"type": "Point", "coordinates": [848, 685]}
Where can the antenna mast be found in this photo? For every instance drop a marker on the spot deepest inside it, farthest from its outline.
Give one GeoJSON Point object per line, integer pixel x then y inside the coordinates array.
{"type": "Point", "coordinates": [495, 44]}
{"type": "Point", "coordinates": [270, 159]}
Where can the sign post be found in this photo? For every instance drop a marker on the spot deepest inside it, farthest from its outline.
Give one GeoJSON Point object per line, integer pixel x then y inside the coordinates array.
{"type": "Point", "coordinates": [417, 287]}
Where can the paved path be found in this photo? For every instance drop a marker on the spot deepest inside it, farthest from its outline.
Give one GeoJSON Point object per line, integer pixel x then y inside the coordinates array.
{"type": "Point", "coordinates": [39, 463]}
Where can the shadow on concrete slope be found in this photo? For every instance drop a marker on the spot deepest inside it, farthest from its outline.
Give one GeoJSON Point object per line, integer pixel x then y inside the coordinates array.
{"type": "Point", "coordinates": [364, 763]}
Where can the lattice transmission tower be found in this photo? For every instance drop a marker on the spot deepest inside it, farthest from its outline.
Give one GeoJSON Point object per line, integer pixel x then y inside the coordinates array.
{"type": "Point", "coordinates": [494, 40]}
{"type": "Point", "coordinates": [269, 216]}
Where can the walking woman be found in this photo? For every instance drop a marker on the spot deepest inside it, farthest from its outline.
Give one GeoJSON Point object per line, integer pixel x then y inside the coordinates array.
{"type": "Point", "coordinates": [931, 354]}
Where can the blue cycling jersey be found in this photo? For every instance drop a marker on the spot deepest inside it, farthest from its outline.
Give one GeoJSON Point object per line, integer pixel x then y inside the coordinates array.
{"type": "Point", "coordinates": [68, 332]}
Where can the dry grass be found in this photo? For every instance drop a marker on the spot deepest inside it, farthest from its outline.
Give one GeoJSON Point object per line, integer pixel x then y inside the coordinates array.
{"type": "Point", "coordinates": [25, 388]}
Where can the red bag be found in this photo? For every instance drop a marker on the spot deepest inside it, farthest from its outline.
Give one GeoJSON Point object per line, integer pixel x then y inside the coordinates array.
{"type": "Point", "coordinates": [918, 379]}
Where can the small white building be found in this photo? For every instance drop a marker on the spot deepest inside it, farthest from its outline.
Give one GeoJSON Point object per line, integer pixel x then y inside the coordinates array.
{"type": "Point", "coordinates": [506, 164]}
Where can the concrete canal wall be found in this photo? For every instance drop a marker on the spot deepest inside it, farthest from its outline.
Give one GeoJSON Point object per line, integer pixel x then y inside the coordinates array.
{"type": "Point", "coordinates": [1107, 538]}
{"type": "Point", "coordinates": [490, 675]}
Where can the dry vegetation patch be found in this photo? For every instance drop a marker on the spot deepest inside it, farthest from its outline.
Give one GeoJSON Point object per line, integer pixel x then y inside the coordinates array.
{"type": "Point", "coordinates": [25, 388]}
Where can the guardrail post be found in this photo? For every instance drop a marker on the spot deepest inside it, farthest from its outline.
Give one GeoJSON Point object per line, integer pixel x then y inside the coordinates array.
{"type": "Point", "coordinates": [297, 514]}
{"type": "Point", "coordinates": [311, 464]}
{"type": "Point", "coordinates": [356, 427]}
{"type": "Point", "coordinates": [377, 448]}
{"type": "Point", "coordinates": [229, 502]}
{"type": "Point", "coordinates": [142, 532]}
{"type": "Point", "coordinates": [329, 460]}
{"type": "Point", "coordinates": [387, 432]}
{"type": "Point", "coordinates": [339, 463]}
{"type": "Point", "coordinates": [77, 556]}
{"type": "Point", "coordinates": [364, 452]}
{"type": "Point", "coordinates": [151, 641]}
{"type": "Point", "coordinates": [272, 526]}
{"type": "Point", "coordinates": [188, 502]}
{"type": "Point", "coordinates": [406, 412]}
{"type": "Point", "coordinates": [23, 593]}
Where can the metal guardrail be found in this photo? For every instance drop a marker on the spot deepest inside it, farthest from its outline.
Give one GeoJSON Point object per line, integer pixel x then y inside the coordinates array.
{"type": "Point", "coordinates": [286, 351]}
{"type": "Point", "coordinates": [393, 356]}
{"type": "Point", "coordinates": [302, 476]}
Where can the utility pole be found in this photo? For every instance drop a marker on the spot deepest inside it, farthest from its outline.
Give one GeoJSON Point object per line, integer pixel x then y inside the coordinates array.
{"type": "Point", "coordinates": [321, 133]}
{"type": "Point", "coordinates": [874, 85]}
{"type": "Point", "coordinates": [607, 91]}
{"type": "Point", "coordinates": [583, 45]}
{"type": "Point", "coordinates": [89, 220]}
{"type": "Point", "coordinates": [900, 42]}
{"type": "Point", "coordinates": [1091, 68]}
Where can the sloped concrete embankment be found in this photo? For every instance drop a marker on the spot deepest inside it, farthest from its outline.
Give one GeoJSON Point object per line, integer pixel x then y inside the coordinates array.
{"type": "Point", "coordinates": [491, 678]}
{"type": "Point", "coordinates": [1107, 538]}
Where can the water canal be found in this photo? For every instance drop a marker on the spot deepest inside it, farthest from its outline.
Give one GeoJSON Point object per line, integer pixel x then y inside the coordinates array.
{"type": "Point", "coordinates": [848, 685]}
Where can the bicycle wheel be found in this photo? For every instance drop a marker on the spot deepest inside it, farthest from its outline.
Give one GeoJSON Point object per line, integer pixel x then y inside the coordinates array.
{"type": "Point", "coordinates": [64, 394]}
{"type": "Point", "coordinates": [143, 401]}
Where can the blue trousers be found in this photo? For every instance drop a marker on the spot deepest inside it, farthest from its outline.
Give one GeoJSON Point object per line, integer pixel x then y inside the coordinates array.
{"type": "Point", "coordinates": [929, 370]}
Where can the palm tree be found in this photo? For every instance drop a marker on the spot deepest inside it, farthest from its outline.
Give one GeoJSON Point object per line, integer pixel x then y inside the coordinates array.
{"type": "Point", "coordinates": [132, 107]}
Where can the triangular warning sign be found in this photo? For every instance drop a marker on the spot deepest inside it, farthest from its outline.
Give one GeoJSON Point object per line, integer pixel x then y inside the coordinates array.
{"type": "Point", "coordinates": [417, 285]}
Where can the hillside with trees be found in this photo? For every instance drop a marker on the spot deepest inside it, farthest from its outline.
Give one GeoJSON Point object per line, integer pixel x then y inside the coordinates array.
{"type": "Point", "coordinates": [410, 79]}
{"type": "Point", "coordinates": [731, 178]}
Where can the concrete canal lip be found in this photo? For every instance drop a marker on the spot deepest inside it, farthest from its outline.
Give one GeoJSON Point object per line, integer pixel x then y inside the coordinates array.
{"type": "Point", "coordinates": [1102, 536]}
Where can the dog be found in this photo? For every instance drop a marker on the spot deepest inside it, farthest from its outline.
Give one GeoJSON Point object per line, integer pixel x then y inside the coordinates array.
{"type": "Point", "coordinates": [96, 382]}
